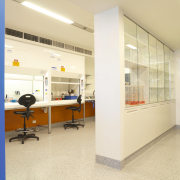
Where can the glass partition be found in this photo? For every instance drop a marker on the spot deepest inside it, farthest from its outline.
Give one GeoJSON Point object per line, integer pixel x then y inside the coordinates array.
{"type": "Point", "coordinates": [160, 58]}
{"type": "Point", "coordinates": [172, 76]}
{"type": "Point", "coordinates": [143, 66]}
{"type": "Point", "coordinates": [149, 66]}
{"type": "Point", "coordinates": [167, 72]}
{"type": "Point", "coordinates": [153, 70]}
{"type": "Point", "coordinates": [131, 74]}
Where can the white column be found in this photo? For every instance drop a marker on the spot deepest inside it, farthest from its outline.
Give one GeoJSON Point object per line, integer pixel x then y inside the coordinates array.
{"type": "Point", "coordinates": [109, 86]}
{"type": "Point", "coordinates": [177, 72]}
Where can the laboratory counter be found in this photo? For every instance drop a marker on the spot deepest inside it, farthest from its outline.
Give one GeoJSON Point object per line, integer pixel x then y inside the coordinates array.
{"type": "Point", "coordinates": [45, 113]}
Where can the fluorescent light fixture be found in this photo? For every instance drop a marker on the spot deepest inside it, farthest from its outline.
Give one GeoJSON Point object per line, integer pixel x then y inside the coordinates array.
{"type": "Point", "coordinates": [55, 54]}
{"type": "Point", "coordinates": [8, 46]}
{"type": "Point", "coordinates": [127, 71]}
{"type": "Point", "coordinates": [131, 46]}
{"type": "Point", "coordinates": [46, 12]}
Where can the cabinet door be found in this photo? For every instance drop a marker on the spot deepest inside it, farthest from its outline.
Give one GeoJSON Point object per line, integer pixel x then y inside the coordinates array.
{"type": "Point", "coordinates": [172, 75]}
{"type": "Point", "coordinates": [167, 73]}
{"type": "Point", "coordinates": [131, 84]}
{"type": "Point", "coordinates": [153, 70]}
{"type": "Point", "coordinates": [143, 66]}
{"type": "Point", "coordinates": [160, 61]}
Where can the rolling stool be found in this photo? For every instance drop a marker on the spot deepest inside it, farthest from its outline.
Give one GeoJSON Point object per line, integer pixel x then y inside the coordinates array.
{"type": "Point", "coordinates": [26, 100]}
{"type": "Point", "coordinates": [73, 123]}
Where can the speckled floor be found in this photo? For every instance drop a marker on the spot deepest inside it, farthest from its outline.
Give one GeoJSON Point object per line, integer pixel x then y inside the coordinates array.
{"type": "Point", "coordinates": [70, 155]}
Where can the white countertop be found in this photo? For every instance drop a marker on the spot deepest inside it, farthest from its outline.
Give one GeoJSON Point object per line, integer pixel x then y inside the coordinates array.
{"type": "Point", "coordinates": [11, 106]}
{"type": "Point", "coordinates": [89, 99]}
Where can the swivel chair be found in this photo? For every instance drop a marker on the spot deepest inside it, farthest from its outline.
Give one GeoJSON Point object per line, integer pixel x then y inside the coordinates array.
{"type": "Point", "coordinates": [26, 100]}
{"type": "Point", "coordinates": [74, 123]}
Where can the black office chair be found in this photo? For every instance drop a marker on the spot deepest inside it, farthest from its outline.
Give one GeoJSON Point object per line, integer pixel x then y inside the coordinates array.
{"type": "Point", "coordinates": [26, 100]}
{"type": "Point", "coordinates": [74, 123]}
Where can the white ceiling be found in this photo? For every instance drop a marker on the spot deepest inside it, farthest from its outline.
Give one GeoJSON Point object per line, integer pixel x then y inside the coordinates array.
{"type": "Point", "coordinates": [25, 19]}
{"type": "Point", "coordinates": [160, 17]}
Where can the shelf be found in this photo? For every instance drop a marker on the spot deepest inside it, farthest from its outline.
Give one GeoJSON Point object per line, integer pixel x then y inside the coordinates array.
{"type": "Point", "coordinates": [134, 65]}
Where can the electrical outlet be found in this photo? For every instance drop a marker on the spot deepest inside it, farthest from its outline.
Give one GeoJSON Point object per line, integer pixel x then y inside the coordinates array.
{"type": "Point", "coordinates": [34, 121]}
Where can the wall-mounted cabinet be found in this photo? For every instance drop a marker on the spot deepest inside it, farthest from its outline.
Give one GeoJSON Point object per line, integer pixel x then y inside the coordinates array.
{"type": "Point", "coordinates": [149, 67]}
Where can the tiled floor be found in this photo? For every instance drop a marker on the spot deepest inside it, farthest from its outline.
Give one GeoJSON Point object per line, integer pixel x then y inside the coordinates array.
{"type": "Point", "coordinates": [70, 155]}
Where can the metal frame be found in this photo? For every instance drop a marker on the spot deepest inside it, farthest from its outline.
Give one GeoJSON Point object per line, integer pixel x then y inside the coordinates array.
{"type": "Point", "coordinates": [2, 120]}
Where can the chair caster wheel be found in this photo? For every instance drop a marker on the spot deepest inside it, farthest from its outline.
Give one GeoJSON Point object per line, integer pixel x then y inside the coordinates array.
{"type": "Point", "coordinates": [22, 142]}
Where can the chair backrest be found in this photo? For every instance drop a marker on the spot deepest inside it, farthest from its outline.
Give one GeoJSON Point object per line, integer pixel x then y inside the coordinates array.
{"type": "Point", "coordinates": [27, 100]}
{"type": "Point", "coordinates": [79, 99]}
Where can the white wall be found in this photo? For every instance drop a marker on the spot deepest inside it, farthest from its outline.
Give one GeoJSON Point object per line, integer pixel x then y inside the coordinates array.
{"type": "Point", "coordinates": [109, 73]}
{"type": "Point", "coordinates": [177, 70]}
{"type": "Point", "coordinates": [34, 56]}
{"type": "Point", "coordinates": [120, 132]}
{"type": "Point", "coordinates": [143, 124]}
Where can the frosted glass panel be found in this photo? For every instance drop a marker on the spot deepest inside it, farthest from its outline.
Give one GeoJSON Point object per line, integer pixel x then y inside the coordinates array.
{"type": "Point", "coordinates": [143, 66]}
{"type": "Point", "coordinates": [149, 67]}
{"type": "Point", "coordinates": [153, 71]}
{"type": "Point", "coordinates": [167, 72]}
{"type": "Point", "coordinates": [131, 83]}
{"type": "Point", "coordinates": [172, 76]}
{"type": "Point", "coordinates": [160, 58]}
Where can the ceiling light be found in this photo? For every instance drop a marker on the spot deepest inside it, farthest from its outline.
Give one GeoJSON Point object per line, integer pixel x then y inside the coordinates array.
{"type": "Point", "coordinates": [127, 71]}
{"type": "Point", "coordinates": [8, 46]}
{"type": "Point", "coordinates": [46, 12]}
{"type": "Point", "coordinates": [57, 55]}
{"type": "Point", "coordinates": [131, 46]}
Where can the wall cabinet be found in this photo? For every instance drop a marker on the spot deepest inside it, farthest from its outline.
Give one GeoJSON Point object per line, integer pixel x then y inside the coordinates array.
{"type": "Point", "coordinates": [149, 76]}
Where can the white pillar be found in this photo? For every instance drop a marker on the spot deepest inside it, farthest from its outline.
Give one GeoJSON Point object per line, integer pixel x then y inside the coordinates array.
{"type": "Point", "coordinates": [109, 85]}
{"type": "Point", "coordinates": [177, 72]}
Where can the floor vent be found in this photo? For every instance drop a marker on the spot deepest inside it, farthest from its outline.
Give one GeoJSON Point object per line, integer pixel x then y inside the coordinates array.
{"type": "Point", "coordinates": [49, 42]}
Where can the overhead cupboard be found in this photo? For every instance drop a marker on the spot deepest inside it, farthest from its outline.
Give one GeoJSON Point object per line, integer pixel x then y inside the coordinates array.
{"type": "Point", "coordinates": [149, 67]}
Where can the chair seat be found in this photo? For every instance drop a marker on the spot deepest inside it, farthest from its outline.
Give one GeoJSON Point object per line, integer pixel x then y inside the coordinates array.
{"type": "Point", "coordinates": [22, 112]}
{"type": "Point", "coordinates": [73, 108]}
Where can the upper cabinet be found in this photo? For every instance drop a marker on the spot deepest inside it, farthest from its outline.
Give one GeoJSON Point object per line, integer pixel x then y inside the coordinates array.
{"type": "Point", "coordinates": [143, 66]}
{"type": "Point", "coordinates": [160, 61]}
{"type": "Point", "coordinates": [131, 61]}
{"type": "Point", "coordinates": [153, 70]}
{"type": "Point", "coordinates": [149, 65]}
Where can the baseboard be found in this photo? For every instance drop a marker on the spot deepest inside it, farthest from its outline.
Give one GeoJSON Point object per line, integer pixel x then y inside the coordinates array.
{"type": "Point", "coordinates": [108, 162]}
{"type": "Point", "coordinates": [120, 164]}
